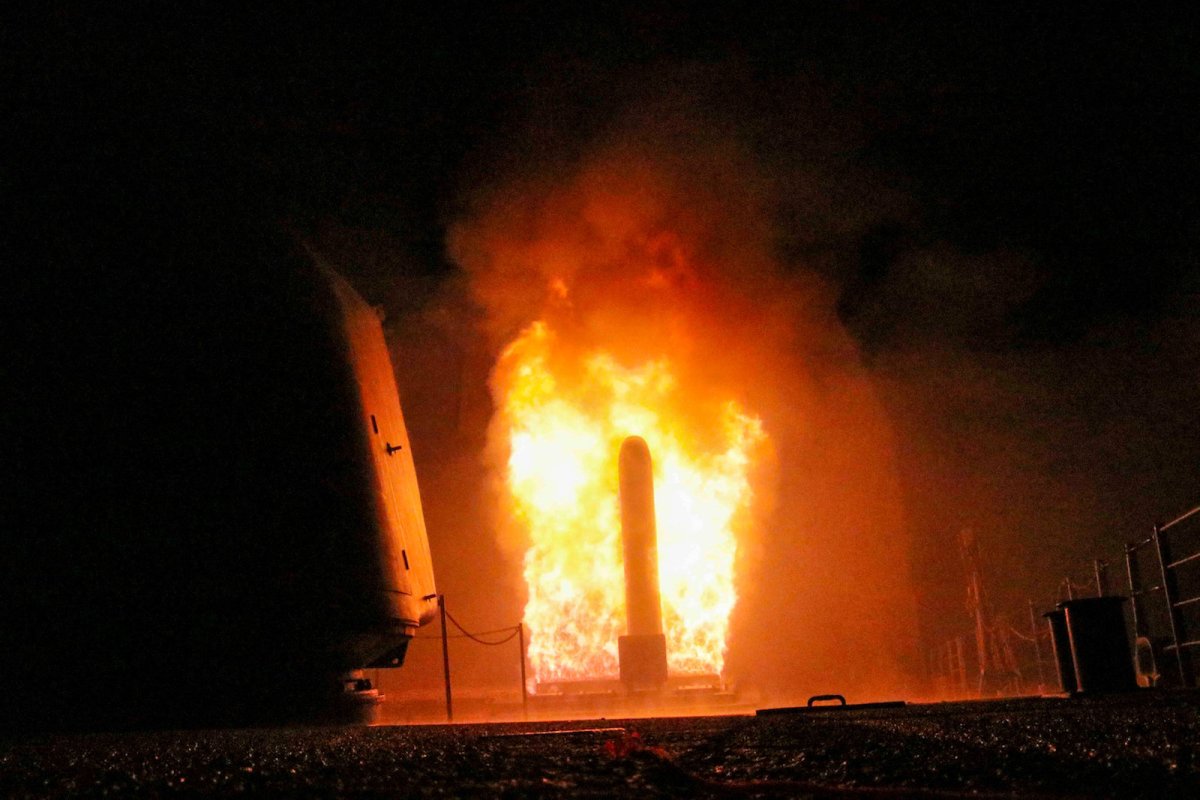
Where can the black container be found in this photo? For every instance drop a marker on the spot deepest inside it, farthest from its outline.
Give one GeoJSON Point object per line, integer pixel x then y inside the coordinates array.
{"type": "Point", "coordinates": [1099, 644]}
{"type": "Point", "coordinates": [1062, 650]}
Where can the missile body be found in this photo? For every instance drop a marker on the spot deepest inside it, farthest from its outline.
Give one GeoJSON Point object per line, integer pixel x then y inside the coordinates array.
{"type": "Point", "coordinates": [639, 539]}
{"type": "Point", "coordinates": [643, 651]}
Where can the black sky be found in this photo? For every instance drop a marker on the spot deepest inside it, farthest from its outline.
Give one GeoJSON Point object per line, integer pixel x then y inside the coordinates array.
{"type": "Point", "coordinates": [1064, 132]}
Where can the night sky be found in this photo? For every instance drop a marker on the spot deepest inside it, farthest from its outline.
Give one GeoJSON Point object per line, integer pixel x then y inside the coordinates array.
{"type": "Point", "coordinates": [1065, 134]}
{"type": "Point", "coordinates": [1060, 133]}
{"type": "Point", "coordinates": [1003, 198]}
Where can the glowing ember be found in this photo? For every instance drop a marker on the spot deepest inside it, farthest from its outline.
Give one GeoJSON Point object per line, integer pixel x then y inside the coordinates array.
{"type": "Point", "coordinates": [565, 414]}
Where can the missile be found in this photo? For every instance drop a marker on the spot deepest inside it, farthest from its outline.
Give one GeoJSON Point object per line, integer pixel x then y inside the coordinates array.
{"type": "Point", "coordinates": [639, 539]}
{"type": "Point", "coordinates": [642, 651]}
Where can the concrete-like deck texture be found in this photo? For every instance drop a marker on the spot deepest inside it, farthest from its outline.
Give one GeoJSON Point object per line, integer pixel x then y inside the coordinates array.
{"type": "Point", "coordinates": [1137, 745]}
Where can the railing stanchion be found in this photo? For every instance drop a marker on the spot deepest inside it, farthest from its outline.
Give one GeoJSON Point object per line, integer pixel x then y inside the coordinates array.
{"type": "Point", "coordinates": [1171, 595]}
{"type": "Point", "coordinates": [1101, 568]}
{"type": "Point", "coordinates": [1037, 647]}
{"type": "Point", "coordinates": [446, 659]}
{"type": "Point", "coordinates": [524, 684]}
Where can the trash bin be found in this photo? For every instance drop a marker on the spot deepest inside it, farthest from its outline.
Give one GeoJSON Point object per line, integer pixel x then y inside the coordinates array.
{"type": "Point", "coordinates": [1062, 649]}
{"type": "Point", "coordinates": [1099, 644]}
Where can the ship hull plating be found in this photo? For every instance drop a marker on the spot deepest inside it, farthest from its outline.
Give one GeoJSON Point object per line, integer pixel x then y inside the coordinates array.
{"type": "Point", "coordinates": [217, 515]}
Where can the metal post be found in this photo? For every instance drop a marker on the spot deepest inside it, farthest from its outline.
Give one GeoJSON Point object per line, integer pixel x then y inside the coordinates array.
{"type": "Point", "coordinates": [961, 667]}
{"type": "Point", "coordinates": [1135, 594]}
{"type": "Point", "coordinates": [1101, 568]}
{"type": "Point", "coordinates": [524, 687]}
{"type": "Point", "coordinates": [446, 659]}
{"type": "Point", "coordinates": [1171, 594]}
{"type": "Point", "coordinates": [939, 662]}
{"type": "Point", "coordinates": [977, 606]}
{"type": "Point", "coordinates": [947, 659]}
{"type": "Point", "coordinates": [1037, 647]}
{"type": "Point", "coordinates": [943, 667]}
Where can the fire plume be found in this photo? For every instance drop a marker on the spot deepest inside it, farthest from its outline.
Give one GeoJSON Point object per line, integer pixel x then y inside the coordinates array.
{"type": "Point", "coordinates": [563, 411]}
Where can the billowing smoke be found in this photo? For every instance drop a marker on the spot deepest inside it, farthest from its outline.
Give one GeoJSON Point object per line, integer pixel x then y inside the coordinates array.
{"type": "Point", "coordinates": [660, 241]}
{"type": "Point", "coordinates": [749, 229]}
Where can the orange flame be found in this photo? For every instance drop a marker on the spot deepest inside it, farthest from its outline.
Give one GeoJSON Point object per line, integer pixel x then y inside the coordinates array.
{"type": "Point", "coordinates": [564, 415]}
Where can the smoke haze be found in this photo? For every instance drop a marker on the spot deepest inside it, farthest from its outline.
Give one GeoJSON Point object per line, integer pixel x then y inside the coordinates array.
{"type": "Point", "coordinates": [661, 236]}
{"type": "Point", "coordinates": [891, 369]}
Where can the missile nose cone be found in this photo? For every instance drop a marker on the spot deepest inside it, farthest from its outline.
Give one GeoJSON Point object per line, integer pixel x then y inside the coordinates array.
{"type": "Point", "coordinates": [636, 473]}
{"type": "Point", "coordinates": [634, 450]}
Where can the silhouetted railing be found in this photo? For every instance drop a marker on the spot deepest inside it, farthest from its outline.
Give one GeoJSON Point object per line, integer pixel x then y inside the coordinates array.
{"type": "Point", "coordinates": [1164, 592]}
{"type": "Point", "coordinates": [1178, 592]}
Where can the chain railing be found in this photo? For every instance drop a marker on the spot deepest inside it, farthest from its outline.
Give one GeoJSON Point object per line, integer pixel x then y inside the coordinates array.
{"type": "Point", "coordinates": [506, 635]}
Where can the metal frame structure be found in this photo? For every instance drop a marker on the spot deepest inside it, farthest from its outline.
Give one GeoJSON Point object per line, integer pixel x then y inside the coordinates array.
{"type": "Point", "coordinates": [1185, 632]}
